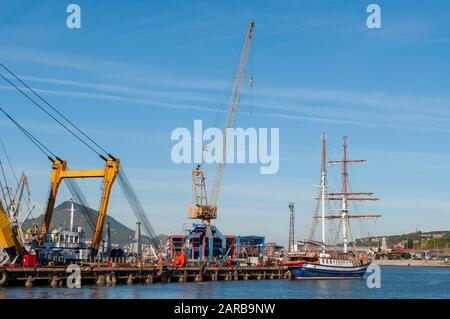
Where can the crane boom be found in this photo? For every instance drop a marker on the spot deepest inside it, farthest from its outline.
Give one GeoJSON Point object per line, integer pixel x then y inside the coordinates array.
{"type": "Point", "coordinates": [205, 207]}
{"type": "Point", "coordinates": [18, 195]}
{"type": "Point", "coordinates": [232, 112]}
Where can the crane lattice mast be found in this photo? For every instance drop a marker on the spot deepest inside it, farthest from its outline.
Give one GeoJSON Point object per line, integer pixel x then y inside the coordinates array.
{"type": "Point", "coordinates": [205, 208]}
{"type": "Point", "coordinates": [232, 113]}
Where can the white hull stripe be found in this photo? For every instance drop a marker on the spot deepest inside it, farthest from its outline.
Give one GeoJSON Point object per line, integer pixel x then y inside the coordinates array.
{"type": "Point", "coordinates": [334, 268]}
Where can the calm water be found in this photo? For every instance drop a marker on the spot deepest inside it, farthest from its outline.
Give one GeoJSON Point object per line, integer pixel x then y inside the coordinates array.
{"type": "Point", "coordinates": [396, 282]}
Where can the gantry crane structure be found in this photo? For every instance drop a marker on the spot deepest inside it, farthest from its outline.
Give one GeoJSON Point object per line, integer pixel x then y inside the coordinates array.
{"type": "Point", "coordinates": [204, 207]}
{"type": "Point", "coordinates": [60, 172]}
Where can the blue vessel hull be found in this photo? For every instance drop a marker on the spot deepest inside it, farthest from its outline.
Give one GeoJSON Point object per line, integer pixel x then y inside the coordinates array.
{"type": "Point", "coordinates": [311, 271]}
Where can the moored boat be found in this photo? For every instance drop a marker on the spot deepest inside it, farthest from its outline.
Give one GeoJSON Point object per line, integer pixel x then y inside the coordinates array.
{"type": "Point", "coordinates": [326, 267]}
{"type": "Point", "coordinates": [328, 264]}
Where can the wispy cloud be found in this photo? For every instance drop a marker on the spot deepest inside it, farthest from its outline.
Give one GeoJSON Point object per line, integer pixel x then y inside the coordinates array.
{"type": "Point", "coordinates": [364, 109]}
{"type": "Point", "coordinates": [169, 91]}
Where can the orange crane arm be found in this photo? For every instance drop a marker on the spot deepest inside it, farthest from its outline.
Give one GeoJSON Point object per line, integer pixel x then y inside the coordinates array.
{"type": "Point", "coordinates": [57, 169]}
{"type": "Point", "coordinates": [110, 174]}
{"type": "Point", "coordinates": [60, 172]}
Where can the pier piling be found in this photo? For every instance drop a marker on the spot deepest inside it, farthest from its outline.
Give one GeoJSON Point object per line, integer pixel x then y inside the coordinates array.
{"type": "Point", "coordinates": [101, 280]}
{"type": "Point", "coordinates": [54, 282]}
{"type": "Point", "coordinates": [109, 279]}
{"type": "Point", "coordinates": [199, 277]}
{"type": "Point", "coordinates": [29, 282]}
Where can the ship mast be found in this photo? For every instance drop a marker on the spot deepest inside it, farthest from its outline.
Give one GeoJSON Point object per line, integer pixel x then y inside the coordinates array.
{"type": "Point", "coordinates": [323, 183]}
{"type": "Point", "coordinates": [71, 214]}
{"type": "Point", "coordinates": [345, 196]}
{"type": "Point", "coordinates": [344, 210]}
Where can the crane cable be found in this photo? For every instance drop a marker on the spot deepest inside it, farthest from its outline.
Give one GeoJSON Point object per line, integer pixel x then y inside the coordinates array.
{"type": "Point", "coordinates": [9, 161]}
{"type": "Point", "coordinates": [252, 77]}
{"type": "Point", "coordinates": [3, 194]}
{"type": "Point", "coordinates": [7, 189]}
{"type": "Point", "coordinates": [48, 113]}
{"type": "Point", "coordinates": [33, 139]}
{"type": "Point", "coordinates": [55, 110]}
{"type": "Point", "coordinates": [71, 184]}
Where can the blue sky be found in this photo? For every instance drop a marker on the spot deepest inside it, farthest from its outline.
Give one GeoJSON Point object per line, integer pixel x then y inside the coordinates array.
{"type": "Point", "coordinates": [133, 73]}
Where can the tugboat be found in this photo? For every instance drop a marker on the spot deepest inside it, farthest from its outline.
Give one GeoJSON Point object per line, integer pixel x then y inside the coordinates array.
{"type": "Point", "coordinates": [63, 246]}
{"type": "Point", "coordinates": [329, 264]}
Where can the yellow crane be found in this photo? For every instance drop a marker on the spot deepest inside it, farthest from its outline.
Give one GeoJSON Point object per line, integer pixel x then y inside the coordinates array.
{"type": "Point", "coordinates": [201, 209]}
{"type": "Point", "coordinates": [8, 239]}
{"type": "Point", "coordinates": [60, 172]}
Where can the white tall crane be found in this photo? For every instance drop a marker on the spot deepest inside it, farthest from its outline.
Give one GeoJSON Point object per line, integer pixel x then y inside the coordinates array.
{"type": "Point", "coordinates": [204, 207]}
{"type": "Point", "coordinates": [230, 121]}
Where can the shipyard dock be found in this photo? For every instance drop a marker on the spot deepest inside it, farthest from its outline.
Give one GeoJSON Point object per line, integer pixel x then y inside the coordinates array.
{"type": "Point", "coordinates": [134, 274]}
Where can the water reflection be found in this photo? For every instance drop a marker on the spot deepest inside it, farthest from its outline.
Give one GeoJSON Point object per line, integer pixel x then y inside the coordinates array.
{"type": "Point", "coordinates": [396, 282]}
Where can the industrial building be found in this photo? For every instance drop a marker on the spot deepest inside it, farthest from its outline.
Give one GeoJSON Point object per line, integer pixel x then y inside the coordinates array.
{"type": "Point", "coordinates": [235, 247]}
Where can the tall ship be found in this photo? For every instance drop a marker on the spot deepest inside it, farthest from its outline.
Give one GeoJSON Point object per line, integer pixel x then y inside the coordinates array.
{"type": "Point", "coordinates": [340, 261]}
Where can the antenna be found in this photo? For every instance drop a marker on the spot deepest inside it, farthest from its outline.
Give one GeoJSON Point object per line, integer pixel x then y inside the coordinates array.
{"type": "Point", "coordinates": [72, 210]}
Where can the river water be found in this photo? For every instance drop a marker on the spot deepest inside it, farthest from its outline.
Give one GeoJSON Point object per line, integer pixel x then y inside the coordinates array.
{"type": "Point", "coordinates": [396, 282]}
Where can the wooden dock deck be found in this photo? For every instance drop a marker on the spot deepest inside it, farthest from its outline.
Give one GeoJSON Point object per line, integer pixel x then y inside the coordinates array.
{"type": "Point", "coordinates": [56, 276]}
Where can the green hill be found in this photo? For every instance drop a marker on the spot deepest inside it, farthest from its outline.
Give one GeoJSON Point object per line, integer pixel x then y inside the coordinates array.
{"type": "Point", "coordinates": [417, 240]}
